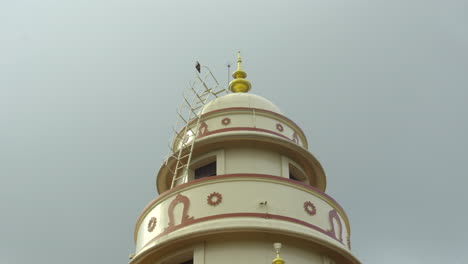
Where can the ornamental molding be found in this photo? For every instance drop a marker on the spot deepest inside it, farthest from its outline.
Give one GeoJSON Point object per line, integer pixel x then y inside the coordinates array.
{"type": "Point", "coordinates": [257, 111]}
{"type": "Point", "coordinates": [333, 215]}
{"type": "Point", "coordinates": [310, 208]}
{"type": "Point", "coordinates": [170, 211]}
{"type": "Point", "coordinates": [214, 198]}
{"type": "Point", "coordinates": [226, 121]}
{"type": "Point", "coordinates": [295, 138]}
{"type": "Point", "coordinates": [279, 127]}
{"type": "Point", "coordinates": [254, 177]}
{"type": "Point", "coordinates": [262, 216]}
{"type": "Point", "coordinates": [152, 224]}
{"type": "Point", "coordinates": [202, 129]}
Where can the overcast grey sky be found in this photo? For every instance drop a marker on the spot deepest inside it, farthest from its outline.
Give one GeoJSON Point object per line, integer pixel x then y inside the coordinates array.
{"type": "Point", "coordinates": [88, 91]}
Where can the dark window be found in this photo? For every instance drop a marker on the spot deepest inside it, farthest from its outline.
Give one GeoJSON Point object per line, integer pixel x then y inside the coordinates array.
{"type": "Point", "coordinates": [296, 174]}
{"type": "Point", "coordinates": [292, 177]}
{"type": "Point", "coordinates": [188, 262]}
{"type": "Point", "coordinates": [206, 171]}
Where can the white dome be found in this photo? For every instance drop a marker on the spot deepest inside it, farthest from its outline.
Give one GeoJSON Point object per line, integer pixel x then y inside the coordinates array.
{"type": "Point", "coordinates": [240, 100]}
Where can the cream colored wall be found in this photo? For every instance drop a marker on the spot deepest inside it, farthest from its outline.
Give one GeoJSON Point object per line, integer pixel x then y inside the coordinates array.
{"type": "Point", "coordinates": [258, 251]}
{"type": "Point", "coordinates": [252, 160]}
{"type": "Point", "coordinates": [244, 248]}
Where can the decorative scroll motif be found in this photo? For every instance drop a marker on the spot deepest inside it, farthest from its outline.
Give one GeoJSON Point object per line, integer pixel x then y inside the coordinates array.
{"type": "Point", "coordinates": [309, 208]}
{"type": "Point", "coordinates": [170, 211]}
{"type": "Point", "coordinates": [349, 243]}
{"type": "Point", "coordinates": [226, 121]}
{"type": "Point", "coordinates": [214, 199]}
{"type": "Point", "coordinates": [332, 232]}
{"type": "Point", "coordinates": [279, 127]}
{"type": "Point", "coordinates": [152, 224]}
{"type": "Point", "coordinates": [202, 129]}
{"type": "Point", "coordinates": [295, 138]}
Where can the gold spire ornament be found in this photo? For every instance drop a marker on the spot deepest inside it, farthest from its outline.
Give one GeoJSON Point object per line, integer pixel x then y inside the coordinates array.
{"type": "Point", "coordinates": [278, 259]}
{"type": "Point", "coordinates": [239, 84]}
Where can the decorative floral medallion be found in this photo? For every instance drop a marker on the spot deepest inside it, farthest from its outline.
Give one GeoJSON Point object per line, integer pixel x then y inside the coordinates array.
{"type": "Point", "coordinates": [152, 224]}
{"type": "Point", "coordinates": [279, 127]}
{"type": "Point", "coordinates": [214, 199]}
{"type": "Point", "coordinates": [309, 208]}
{"type": "Point", "coordinates": [226, 121]}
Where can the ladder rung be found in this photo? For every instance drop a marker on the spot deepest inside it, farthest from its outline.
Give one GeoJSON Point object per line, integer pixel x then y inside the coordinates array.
{"type": "Point", "coordinates": [198, 107]}
{"type": "Point", "coordinates": [186, 155]}
{"type": "Point", "coordinates": [200, 99]}
{"type": "Point", "coordinates": [180, 177]}
{"type": "Point", "coordinates": [200, 102]}
{"type": "Point", "coordinates": [178, 136]}
{"type": "Point", "coordinates": [170, 170]}
{"type": "Point", "coordinates": [216, 93]}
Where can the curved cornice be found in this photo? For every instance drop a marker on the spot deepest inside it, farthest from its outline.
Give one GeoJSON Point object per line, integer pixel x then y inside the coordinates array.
{"type": "Point", "coordinates": [258, 111]}
{"type": "Point", "coordinates": [214, 139]}
{"type": "Point", "coordinates": [149, 251]}
{"type": "Point", "coordinates": [242, 177]}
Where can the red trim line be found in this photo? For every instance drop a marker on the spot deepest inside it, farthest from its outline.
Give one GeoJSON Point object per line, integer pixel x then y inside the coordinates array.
{"type": "Point", "coordinates": [243, 129]}
{"type": "Point", "coordinates": [255, 215]}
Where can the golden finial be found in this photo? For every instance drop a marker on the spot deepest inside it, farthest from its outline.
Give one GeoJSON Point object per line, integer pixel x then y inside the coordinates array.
{"type": "Point", "coordinates": [239, 84]}
{"type": "Point", "coordinates": [278, 259]}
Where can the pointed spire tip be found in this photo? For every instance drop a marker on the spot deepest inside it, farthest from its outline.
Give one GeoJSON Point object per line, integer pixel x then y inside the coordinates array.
{"type": "Point", "coordinates": [239, 84]}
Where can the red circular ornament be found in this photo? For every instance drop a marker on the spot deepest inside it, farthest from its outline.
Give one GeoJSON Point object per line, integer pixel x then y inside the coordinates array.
{"type": "Point", "coordinates": [226, 121]}
{"type": "Point", "coordinates": [309, 208]}
{"type": "Point", "coordinates": [152, 224]}
{"type": "Point", "coordinates": [279, 127]}
{"type": "Point", "coordinates": [214, 199]}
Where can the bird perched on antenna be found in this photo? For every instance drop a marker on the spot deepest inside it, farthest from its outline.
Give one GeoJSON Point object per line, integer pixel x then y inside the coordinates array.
{"type": "Point", "coordinates": [198, 66]}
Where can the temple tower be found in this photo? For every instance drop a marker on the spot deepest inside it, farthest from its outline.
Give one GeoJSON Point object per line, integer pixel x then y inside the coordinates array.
{"type": "Point", "coordinates": [242, 181]}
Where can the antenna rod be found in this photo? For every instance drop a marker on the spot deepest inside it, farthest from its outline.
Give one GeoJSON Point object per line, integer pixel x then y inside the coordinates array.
{"type": "Point", "coordinates": [229, 73]}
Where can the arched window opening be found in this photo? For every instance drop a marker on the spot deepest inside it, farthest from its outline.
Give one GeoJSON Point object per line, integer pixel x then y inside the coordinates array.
{"type": "Point", "coordinates": [296, 174]}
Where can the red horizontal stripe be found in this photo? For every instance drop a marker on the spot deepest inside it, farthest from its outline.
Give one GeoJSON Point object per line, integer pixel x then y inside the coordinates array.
{"type": "Point", "coordinates": [228, 129]}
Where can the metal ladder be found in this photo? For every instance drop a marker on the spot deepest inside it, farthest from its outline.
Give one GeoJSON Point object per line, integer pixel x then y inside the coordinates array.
{"type": "Point", "coordinates": [201, 90]}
